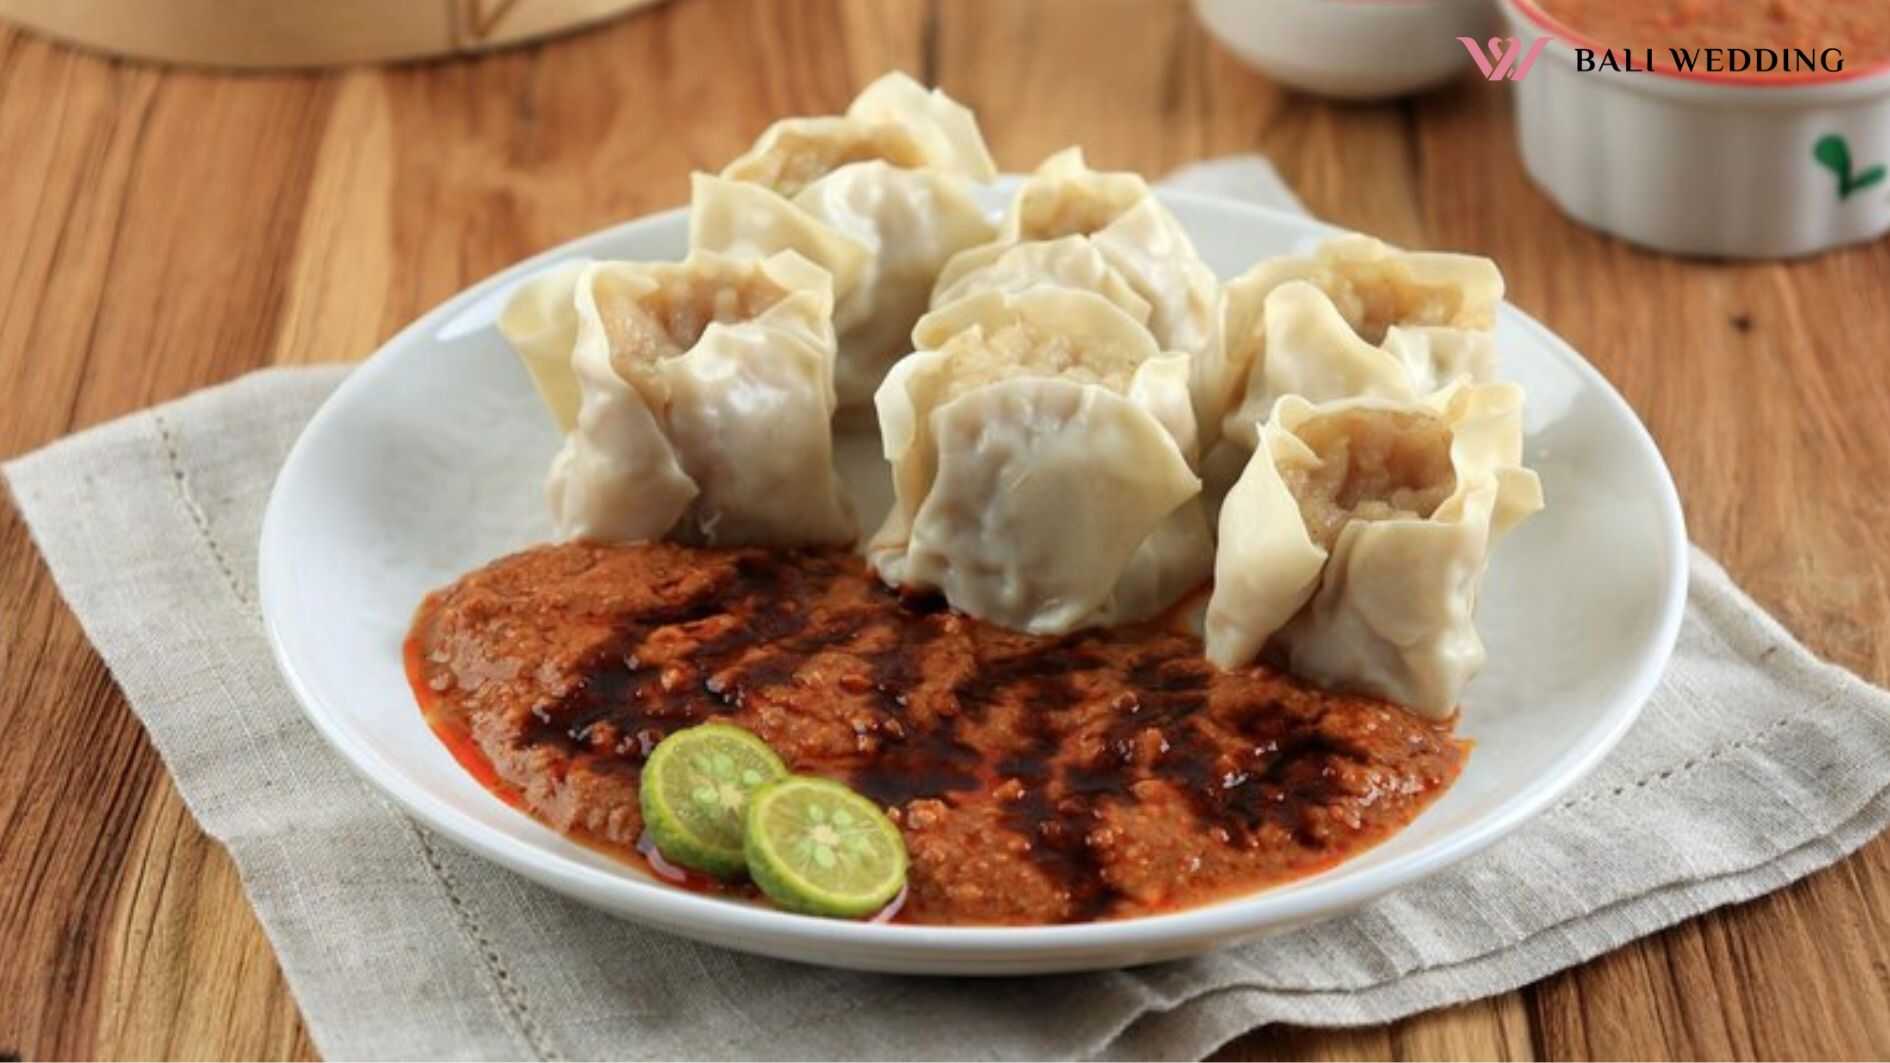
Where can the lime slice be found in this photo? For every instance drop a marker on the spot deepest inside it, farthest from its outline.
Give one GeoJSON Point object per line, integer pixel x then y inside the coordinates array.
{"type": "Point", "coordinates": [815, 846]}
{"type": "Point", "coordinates": [696, 786]}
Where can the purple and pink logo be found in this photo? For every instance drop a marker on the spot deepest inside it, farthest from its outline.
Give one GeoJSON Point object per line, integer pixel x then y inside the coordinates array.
{"type": "Point", "coordinates": [1506, 57]}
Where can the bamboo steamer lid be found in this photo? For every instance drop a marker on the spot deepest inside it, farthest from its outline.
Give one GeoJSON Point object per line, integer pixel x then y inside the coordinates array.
{"type": "Point", "coordinates": [302, 33]}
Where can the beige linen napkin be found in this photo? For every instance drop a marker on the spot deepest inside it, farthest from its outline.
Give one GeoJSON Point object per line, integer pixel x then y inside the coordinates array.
{"type": "Point", "coordinates": [1754, 764]}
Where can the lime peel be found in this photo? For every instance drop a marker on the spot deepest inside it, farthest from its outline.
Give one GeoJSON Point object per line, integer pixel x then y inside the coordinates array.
{"type": "Point", "coordinates": [695, 791]}
{"type": "Point", "coordinates": [817, 847]}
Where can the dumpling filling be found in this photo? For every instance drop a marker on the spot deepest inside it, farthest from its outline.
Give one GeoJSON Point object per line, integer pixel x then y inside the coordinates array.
{"type": "Point", "coordinates": [1373, 465]}
{"type": "Point", "coordinates": [652, 326]}
{"type": "Point", "coordinates": [1374, 295]}
{"type": "Point", "coordinates": [1018, 349]}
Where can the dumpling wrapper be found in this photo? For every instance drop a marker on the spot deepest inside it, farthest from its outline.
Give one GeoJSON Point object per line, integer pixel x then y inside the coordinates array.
{"type": "Point", "coordinates": [1066, 262]}
{"type": "Point", "coordinates": [1356, 318]}
{"type": "Point", "coordinates": [1039, 470]}
{"type": "Point", "coordinates": [912, 222]}
{"type": "Point", "coordinates": [1266, 565]}
{"type": "Point", "coordinates": [1139, 242]}
{"type": "Point", "coordinates": [749, 221]}
{"type": "Point", "coordinates": [881, 198]}
{"type": "Point", "coordinates": [704, 399]}
{"type": "Point", "coordinates": [540, 322]}
{"type": "Point", "coordinates": [895, 119]}
{"type": "Point", "coordinates": [1086, 335]}
{"type": "Point", "coordinates": [1389, 608]}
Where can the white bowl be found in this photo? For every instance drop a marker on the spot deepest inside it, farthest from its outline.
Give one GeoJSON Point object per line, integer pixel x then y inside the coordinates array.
{"type": "Point", "coordinates": [1351, 49]}
{"type": "Point", "coordinates": [1701, 164]}
{"type": "Point", "coordinates": [428, 462]}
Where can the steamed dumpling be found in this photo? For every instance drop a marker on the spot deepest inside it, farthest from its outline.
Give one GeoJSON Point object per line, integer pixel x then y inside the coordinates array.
{"type": "Point", "coordinates": [1356, 318]}
{"type": "Point", "coordinates": [1138, 248]}
{"type": "Point", "coordinates": [1039, 443]}
{"type": "Point", "coordinates": [697, 399]}
{"type": "Point", "coordinates": [895, 119]}
{"type": "Point", "coordinates": [880, 198]}
{"type": "Point", "coordinates": [1066, 262]}
{"type": "Point", "coordinates": [1358, 535]}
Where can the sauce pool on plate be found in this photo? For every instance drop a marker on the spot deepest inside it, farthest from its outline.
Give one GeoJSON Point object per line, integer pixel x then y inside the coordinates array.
{"type": "Point", "coordinates": [1104, 774]}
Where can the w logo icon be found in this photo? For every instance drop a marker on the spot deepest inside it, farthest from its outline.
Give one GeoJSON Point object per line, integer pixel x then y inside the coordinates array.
{"type": "Point", "coordinates": [1505, 58]}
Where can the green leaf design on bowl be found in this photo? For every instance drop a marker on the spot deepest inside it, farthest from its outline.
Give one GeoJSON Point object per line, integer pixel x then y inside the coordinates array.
{"type": "Point", "coordinates": [1833, 153]}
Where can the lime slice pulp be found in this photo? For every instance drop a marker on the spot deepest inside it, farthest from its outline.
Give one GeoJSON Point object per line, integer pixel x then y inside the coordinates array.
{"type": "Point", "coordinates": [815, 846]}
{"type": "Point", "coordinates": [695, 790]}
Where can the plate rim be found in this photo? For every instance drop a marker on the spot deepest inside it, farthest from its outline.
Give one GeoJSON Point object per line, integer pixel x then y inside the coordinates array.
{"type": "Point", "coordinates": [1232, 919]}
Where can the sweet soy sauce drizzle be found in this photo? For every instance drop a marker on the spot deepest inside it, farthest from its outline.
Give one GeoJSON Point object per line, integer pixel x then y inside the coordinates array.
{"type": "Point", "coordinates": [1068, 729]}
{"type": "Point", "coordinates": [458, 742]}
{"type": "Point", "coordinates": [452, 733]}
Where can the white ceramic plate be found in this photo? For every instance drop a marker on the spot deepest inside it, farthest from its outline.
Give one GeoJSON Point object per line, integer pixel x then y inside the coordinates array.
{"type": "Point", "coordinates": [428, 462]}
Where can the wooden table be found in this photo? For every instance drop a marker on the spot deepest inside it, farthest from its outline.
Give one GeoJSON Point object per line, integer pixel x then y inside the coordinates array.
{"type": "Point", "coordinates": [161, 230]}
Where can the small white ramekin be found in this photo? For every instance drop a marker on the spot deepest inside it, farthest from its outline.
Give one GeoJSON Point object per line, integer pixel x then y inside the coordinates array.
{"type": "Point", "coordinates": [1703, 164]}
{"type": "Point", "coordinates": [1350, 49]}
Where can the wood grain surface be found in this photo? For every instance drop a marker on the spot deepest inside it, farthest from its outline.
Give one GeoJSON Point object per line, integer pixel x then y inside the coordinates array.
{"type": "Point", "coordinates": [161, 230]}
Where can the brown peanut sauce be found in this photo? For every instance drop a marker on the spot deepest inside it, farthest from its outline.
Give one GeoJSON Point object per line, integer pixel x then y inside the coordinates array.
{"type": "Point", "coordinates": [1037, 779]}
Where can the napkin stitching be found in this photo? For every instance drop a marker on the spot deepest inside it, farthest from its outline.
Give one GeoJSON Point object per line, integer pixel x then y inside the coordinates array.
{"type": "Point", "coordinates": [201, 520]}
{"type": "Point", "coordinates": [512, 997]}
{"type": "Point", "coordinates": [1691, 763]}
{"type": "Point", "coordinates": [505, 988]}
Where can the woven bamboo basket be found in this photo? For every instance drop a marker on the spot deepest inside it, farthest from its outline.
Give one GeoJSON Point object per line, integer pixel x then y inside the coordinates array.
{"type": "Point", "coordinates": [303, 33]}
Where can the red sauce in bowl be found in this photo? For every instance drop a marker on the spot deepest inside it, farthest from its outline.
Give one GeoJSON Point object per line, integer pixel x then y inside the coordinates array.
{"type": "Point", "coordinates": [1763, 41]}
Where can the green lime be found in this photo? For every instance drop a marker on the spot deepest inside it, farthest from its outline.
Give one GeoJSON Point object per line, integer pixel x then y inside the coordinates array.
{"type": "Point", "coordinates": [696, 786]}
{"type": "Point", "coordinates": [815, 846]}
